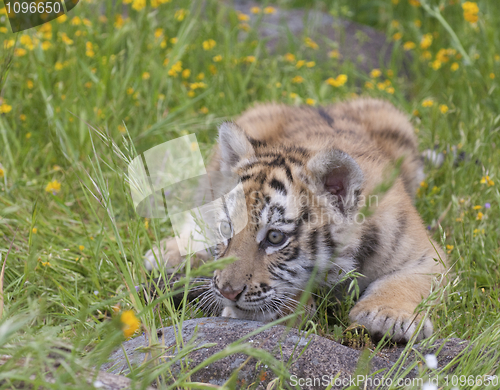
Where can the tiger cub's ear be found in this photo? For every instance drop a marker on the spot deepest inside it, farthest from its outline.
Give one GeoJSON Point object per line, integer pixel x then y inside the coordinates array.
{"type": "Point", "coordinates": [337, 173]}
{"type": "Point", "coordinates": [234, 145]}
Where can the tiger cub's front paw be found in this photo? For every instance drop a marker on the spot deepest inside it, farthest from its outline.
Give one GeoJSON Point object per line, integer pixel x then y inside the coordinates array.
{"type": "Point", "coordinates": [399, 324]}
{"type": "Point", "coordinates": [167, 255]}
{"type": "Point", "coordinates": [164, 255]}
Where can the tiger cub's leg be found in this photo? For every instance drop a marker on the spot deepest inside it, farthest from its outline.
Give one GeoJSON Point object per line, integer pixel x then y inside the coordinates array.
{"type": "Point", "coordinates": [388, 304]}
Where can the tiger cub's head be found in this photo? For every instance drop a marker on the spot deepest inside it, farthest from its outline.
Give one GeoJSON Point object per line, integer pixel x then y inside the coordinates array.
{"type": "Point", "coordinates": [299, 202]}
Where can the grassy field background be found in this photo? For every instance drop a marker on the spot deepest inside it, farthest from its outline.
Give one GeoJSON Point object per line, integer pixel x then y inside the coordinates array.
{"type": "Point", "coordinates": [144, 72]}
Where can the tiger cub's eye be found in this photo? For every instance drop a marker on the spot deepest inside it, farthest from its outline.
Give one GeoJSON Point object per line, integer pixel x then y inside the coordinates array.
{"type": "Point", "coordinates": [275, 237]}
{"type": "Point", "coordinates": [225, 229]}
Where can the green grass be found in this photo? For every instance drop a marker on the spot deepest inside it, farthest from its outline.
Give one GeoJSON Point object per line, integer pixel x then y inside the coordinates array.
{"type": "Point", "coordinates": [72, 256]}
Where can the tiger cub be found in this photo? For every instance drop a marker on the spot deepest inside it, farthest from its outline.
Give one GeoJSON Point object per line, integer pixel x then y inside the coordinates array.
{"type": "Point", "coordinates": [307, 175]}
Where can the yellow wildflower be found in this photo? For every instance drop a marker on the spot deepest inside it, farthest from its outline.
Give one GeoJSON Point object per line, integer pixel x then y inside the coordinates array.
{"type": "Point", "coordinates": [243, 17]}
{"type": "Point", "coordinates": [158, 32]}
{"type": "Point", "coordinates": [310, 101]}
{"type": "Point", "coordinates": [176, 68]}
{"type": "Point", "coordinates": [492, 76]}
{"type": "Point", "coordinates": [180, 14]}
{"type": "Point", "coordinates": [417, 23]}
{"type": "Point", "coordinates": [310, 43]}
{"type": "Point", "coordinates": [244, 26]}
{"type": "Point", "coordinates": [146, 76]}
{"type": "Point", "coordinates": [34, 230]}
{"type": "Point", "coordinates": [130, 323]}
{"type": "Point", "coordinates": [278, 84]}
{"type": "Point", "coordinates": [454, 66]}
{"type": "Point", "coordinates": [480, 216]}
{"type": "Point", "coordinates": [289, 57]}
{"type": "Point", "coordinates": [298, 80]}
{"type": "Point", "coordinates": [414, 3]}
{"type": "Point", "coordinates": [310, 64]}
{"type": "Point", "coordinates": [2, 172]}
{"type": "Point", "coordinates": [20, 52]}
{"type": "Point", "coordinates": [197, 85]}
{"type": "Point", "coordinates": [5, 108]}
{"type": "Point", "coordinates": [470, 11]}
{"type": "Point", "coordinates": [300, 64]}
{"type": "Point", "coordinates": [487, 180]}
{"type": "Point", "coordinates": [46, 45]}
{"type": "Point", "coordinates": [337, 82]}
{"type": "Point", "coordinates": [138, 4]}
{"type": "Point", "coordinates": [334, 54]}
{"type": "Point", "coordinates": [369, 85]}
{"type": "Point", "coordinates": [119, 21]}
{"type": "Point", "coordinates": [443, 108]}
{"type": "Point", "coordinates": [426, 41]}
{"type": "Point", "coordinates": [89, 49]}
{"type": "Point", "coordinates": [249, 59]}
{"type": "Point", "coordinates": [67, 40]}
{"type": "Point", "coordinates": [436, 64]}
{"type": "Point", "coordinates": [186, 73]}
{"type": "Point", "coordinates": [200, 76]}
{"type": "Point", "coordinates": [269, 10]}
{"type": "Point", "coordinates": [76, 21]}
{"type": "Point", "coordinates": [409, 45]}
{"type": "Point", "coordinates": [204, 110]}
{"type": "Point", "coordinates": [58, 66]}
{"type": "Point", "coordinates": [428, 103]}
{"type": "Point", "coordinates": [28, 135]}
{"type": "Point", "coordinates": [375, 73]}
{"type": "Point", "coordinates": [130, 91]}
{"type": "Point", "coordinates": [27, 41]}
{"type": "Point", "coordinates": [8, 43]}
{"type": "Point", "coordinates": [54, 187]}
{"type": "Point", "coordinates": [397, 36]}
{"type": "Point", "coordinates": [449, 248]}
{"type": "Point", "coordinates": [255, 10]}
{"type": "Point", "coordinates": [81, 247]}
{"type": "Point", "coordinates": [217, 58]}
{"type": "Point", "coordinates": [390, 90]}
{"type": "Point", "coordinates": [209, 44]}
{"type": "Point", "coordinates": [22, 117]}
{"type": "Point", "coordinates": [293, 95]}
{"type": "Point", "coordinates": [62, 18]}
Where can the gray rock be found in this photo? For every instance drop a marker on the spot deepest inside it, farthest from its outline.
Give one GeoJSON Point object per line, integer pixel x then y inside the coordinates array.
{"type": "Point", "coordinates": [307, 356]}
{"type": "Point", "coordinates": [364, 46]}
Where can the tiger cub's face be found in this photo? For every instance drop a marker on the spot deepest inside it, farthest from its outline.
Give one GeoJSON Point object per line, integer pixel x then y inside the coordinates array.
{"type": "Point", "coordinates": [298, 204]}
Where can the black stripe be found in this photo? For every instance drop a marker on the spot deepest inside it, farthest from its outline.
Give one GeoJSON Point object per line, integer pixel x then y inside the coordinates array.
{"type": "Point", "coordinates": [325, 116]}
{"type": "Point", "coordinates": [283, 267]}
{"type": "Point", "coordinates": [329, 242]}
{"type": "Point", "coordinates": [278, 186]}
{"type": "Point", "coordinates": [400, 230]}
{"type": "Point", "coordinates": [295, 253]}
{"type": "Point", "coordinates": [370, 243]}
{"type": "Point", "coordinates": [312, 242]}
{"type": "Point", "coordinates": [397, 137]}
{"type": "Point", "coordinates": [256, 143]}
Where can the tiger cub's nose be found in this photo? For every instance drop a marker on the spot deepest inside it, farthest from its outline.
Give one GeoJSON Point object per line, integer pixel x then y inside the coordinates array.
{"type": "Point", "coordinates": [229, 293]}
